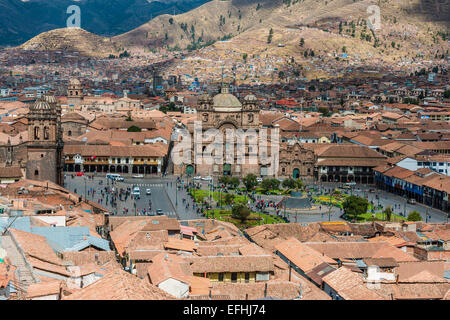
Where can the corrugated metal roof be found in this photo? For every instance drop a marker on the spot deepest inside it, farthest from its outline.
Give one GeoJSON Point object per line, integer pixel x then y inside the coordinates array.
{"type": "Point", "coordinates": [70, 238]}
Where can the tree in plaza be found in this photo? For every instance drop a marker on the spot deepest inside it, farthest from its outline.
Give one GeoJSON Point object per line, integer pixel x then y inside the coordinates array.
{"type": "Point", "coordinates": [275, 184]}
{"type": "Point", "coordinates": [228, 199]}
{"type": "Point", "coordinates": [354, 206]}
{"type": "Point", "coordinates": [299, 184]}
{"type": "Point", "coordinates": [266, 185]}
{"type": "Point", "coordinates": [388, 213]}
{"type": "Point", "coordinates": [240, 211]}
{"type": "Point", "coordinates": [414, 216]}
{"type": "Point", "coordinates": [235, 182]}
{"type": "Point", "coordinates": [200, 198]}
{"type": "Point", "coordinates": [225, 180]}
{"type": "Point", "coordinates": [250, 181]}
{"type": "Point", "coordinates": [289, 183]}
{"type": "Point", "coordinates": [270, 184]}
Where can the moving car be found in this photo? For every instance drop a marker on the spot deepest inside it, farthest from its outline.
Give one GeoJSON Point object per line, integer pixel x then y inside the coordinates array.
{"type": "Point", "coordinates": [197, 177]}
{"type": "Point", "coordinates": [136, 192]}
{"type": "Point", "coordinates": [138, 176]}
{"type": "Point", "coordinates": [208, 178]}
{"type": "Point", "coordinates": [148, 191]}
{"type": "Point", "coordinates": [412, 201]}
{"type": "Point", "coordinates": [259, 180]}
{"type": "Point", "coordinates": [79, 173]}
{"type": "Point", "coordinates": [159, 212]}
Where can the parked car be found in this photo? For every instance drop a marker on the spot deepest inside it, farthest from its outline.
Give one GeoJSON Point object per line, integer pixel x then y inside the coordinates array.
{"type": "Point", "coordinates": [197, 177]}
{"type": "Point", "coordinates": [259, 180]}
{"type": "Point", "coordinates": [412, 201]}
{"type": "Point", "coordinates": [80, 173]}
{"type": "Point", "coordinates": [148, 191]}
{"type": "Point", "coordinates": [138, 176]}
{"type": "Point", "coordinates": [208, 178]}
{"type": "Point", "coordinates": [159, 212]}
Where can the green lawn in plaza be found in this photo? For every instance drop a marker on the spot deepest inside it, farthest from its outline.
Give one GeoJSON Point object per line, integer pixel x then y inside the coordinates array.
{"type": "Point", "coordinates": [252, 220]}
{"type": "Point", "coordinates": [201, 195]}
{"type": "Point", "coordinates": [379, 216]}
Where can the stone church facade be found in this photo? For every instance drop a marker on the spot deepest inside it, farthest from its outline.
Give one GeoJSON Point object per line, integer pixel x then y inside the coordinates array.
{"type": "Point", "coordinates": [225, 111]}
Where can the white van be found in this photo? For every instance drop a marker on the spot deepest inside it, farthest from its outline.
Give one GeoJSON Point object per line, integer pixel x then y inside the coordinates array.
{"type": "Point", "coordinates": [114, 176]}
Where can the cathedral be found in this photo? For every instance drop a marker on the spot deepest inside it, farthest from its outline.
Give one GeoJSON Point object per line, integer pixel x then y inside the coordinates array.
{"type": "Point", "coordinates": [45, 143]}
{"type": "Point", "coordinates": [225, 111]}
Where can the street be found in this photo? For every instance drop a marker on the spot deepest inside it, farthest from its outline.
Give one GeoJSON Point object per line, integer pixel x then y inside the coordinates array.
{"type": "Point", "coordinates": [164, 196]}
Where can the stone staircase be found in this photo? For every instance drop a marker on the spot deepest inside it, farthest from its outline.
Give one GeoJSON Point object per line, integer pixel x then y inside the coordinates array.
{"type": "Point", "coordinates": [23, 271]}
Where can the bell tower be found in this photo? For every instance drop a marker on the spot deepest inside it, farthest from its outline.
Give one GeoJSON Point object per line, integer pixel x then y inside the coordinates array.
{"type": "Point", "coordinates": [45, 144]}
{"type": "Point", "coordinates": [75, 93]}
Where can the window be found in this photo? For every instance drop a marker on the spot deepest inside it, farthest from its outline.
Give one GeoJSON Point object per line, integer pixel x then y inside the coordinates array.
{"type": "Point", "coordinates": [36, 133]}
{"type": "Point", "coordinates": [234, 277]}
{"type": "Point", "coordinates": [69, 133]}
{"type": "Point", "coordinates": [36, 172]}
{"type": "Point", "coordinates": [247, 277]}
{"type": "Point", "coordinates": [46, 133]}
{"type": "Point", "coordinates": [220, 276]}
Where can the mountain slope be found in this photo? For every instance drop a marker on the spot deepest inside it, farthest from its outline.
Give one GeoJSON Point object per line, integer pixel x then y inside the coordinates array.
{"type": "Point", "coordinates": [218, 19]}
{"type": "Point", "coordinates": [73, 39]}
{"type": "Point", "coordinates": [22, 20]}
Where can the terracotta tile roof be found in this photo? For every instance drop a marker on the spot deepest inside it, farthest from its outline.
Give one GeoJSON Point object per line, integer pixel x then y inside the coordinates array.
{"type": "Point", "coordinates": [398, 172]}
{"type": "Point", "coordinates": [408, 291]}
{"type": "Point", "coordinates": [205, 249]}
{"type": "Point", "coordinates": [211, 264]}
{"type": "Point", "coordinates": [301, 255]}
{"type": "Point", "coordinates": [148, 150]}
{"type": "Point", "coordinates": [120, 285]}
{"type": "Point", "coordinates": [393, 252]}
{"type": "Point", "coordinates": [335, 226]}
{"type": "Point", "coordinates": [350, 285]}
{"type": "Point", "coordinates": [252, 249]}
{"type": "Point", "coordinates": [36, 246]}
{"type": "Point", "coordinates": [11, 172]}
{"type": "Point", "coordinates": [47, 288]}
{"type": "Point", "coordinates": [240, 291]}
{"type": "Point", "coordinates": [359, 250]}
{"type": "Point", "coordinates": [268, 236]}
{"type": "Point", "coordinates": [342, 150]}
{"type": "Point", "coordinates": [165, 266]}
{"type": "Point", "coordinates": [180, 244]}
{"type": "Point", "coordinates": [394, 241]}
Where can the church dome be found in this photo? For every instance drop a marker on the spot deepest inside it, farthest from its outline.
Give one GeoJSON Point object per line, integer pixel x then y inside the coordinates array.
{"type": "Point", "coordinates": [50, 99]}
{"type": "Point", "coordinates": [41, 105]}
{"type": "Point", "coordinates": [226, 100]}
